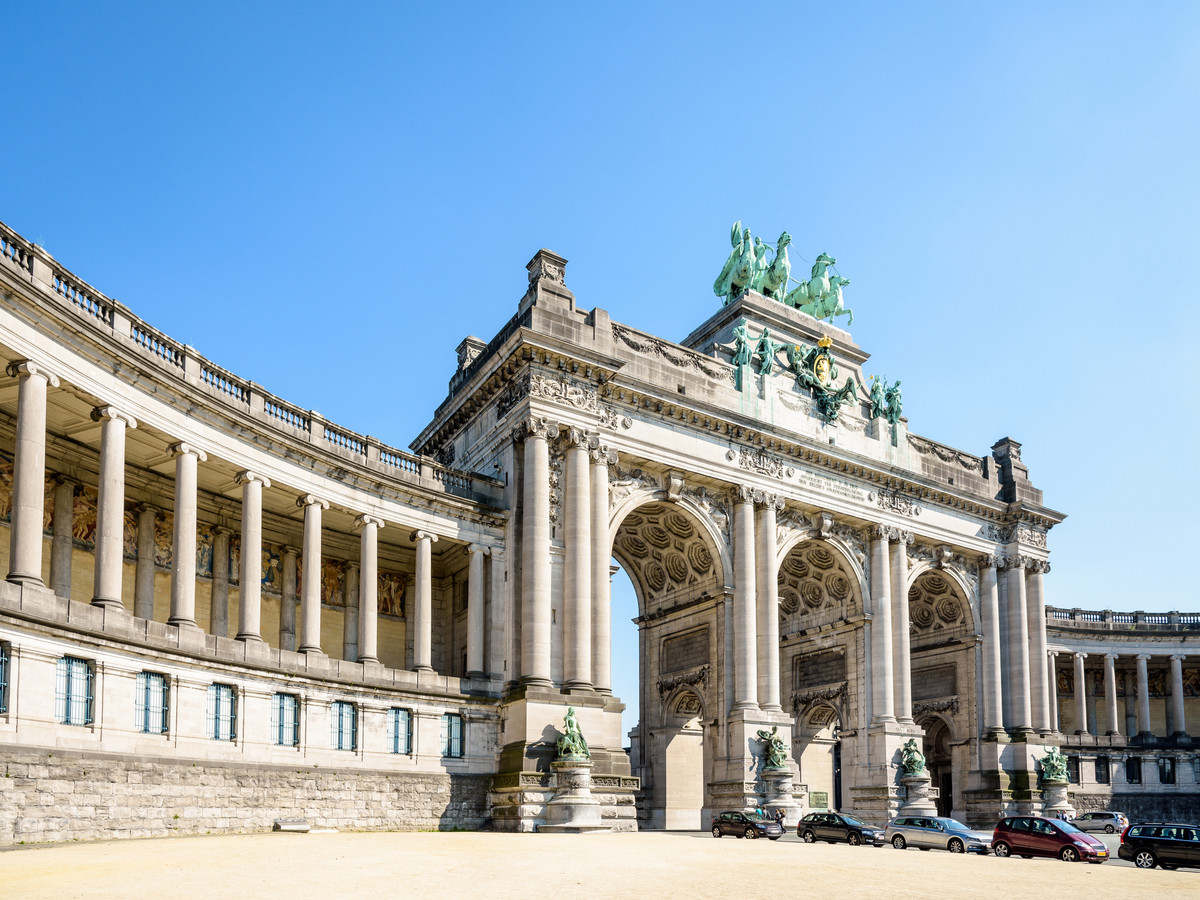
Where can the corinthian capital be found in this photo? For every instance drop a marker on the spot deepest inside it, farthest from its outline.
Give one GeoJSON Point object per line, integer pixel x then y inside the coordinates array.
{"type": "Point", "coordinates": [535, 427]}
{"type": "Point", "coordinates": [577, 437]}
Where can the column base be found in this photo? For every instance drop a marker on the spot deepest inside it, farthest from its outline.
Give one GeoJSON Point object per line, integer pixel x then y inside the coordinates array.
{"type": "Point", "coordinates": [535, 681]}
{"type": "Point", "coordinates": [770, 707]}
{"type": "Point", "coordinates": [578, 687]}
{"type": "Point", "coordinates": [883, 720]}
{"type": "Point", "coordinates": [20, 578]}
{"type": "Point", "coordinates": [745, 706]}
{"type": "Point", "coordinates": [475, 673]}
{"type": "Point", "coordinates": [905, 720]}
{"type": "Point", "coordinates": [316, 651]}
{"type": "Point", "coordinates": [107, 603]}
{"type": "Point", "coordinates": [997, 734]}
{"type": "Point", "coordinates": [426, 669]}
{"type": "Point", "coordinates": [180, 622]}
{"type": "Point", "coordinates": [249, 638]}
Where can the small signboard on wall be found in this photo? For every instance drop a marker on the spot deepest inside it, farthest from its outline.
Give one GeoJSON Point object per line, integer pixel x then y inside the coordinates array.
{"type": "Point", "coordinates": [818, 799]}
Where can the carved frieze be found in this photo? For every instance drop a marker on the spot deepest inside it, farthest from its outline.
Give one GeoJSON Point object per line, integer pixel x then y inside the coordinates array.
{"type": "Point", "coordinates": [895, 501]}
{"type": "Point", "coordinates": [697, 676]}
{"type": "Point", "coordinates": [935, 706]}
{"type": "Point", "coordinates": [564, 391]}
{"type": "Point", "coordinates": [677, 356]}
{"type": "Point", "coordinates": [833, 695]}
{"type": "Point", "coordinates": [717, 505]}
{"type": "Point", "coordinates": [946, 454]}
{"type": "Point", "coordinates": [757, 460]}
{"type": "Point", "coordinates": [1021, 532]}
{"type": "Point", "coordinates": [623, 482]}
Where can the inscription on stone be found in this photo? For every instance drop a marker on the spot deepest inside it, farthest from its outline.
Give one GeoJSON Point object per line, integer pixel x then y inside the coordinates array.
{"type": "Point", "coordinates": [835, 486]}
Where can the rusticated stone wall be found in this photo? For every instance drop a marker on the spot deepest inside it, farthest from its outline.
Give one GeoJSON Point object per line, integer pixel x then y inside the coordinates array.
{"type": "Point", "coordinates": [64, 796]}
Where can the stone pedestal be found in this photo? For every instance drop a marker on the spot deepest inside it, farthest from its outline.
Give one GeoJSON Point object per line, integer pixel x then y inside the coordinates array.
{"type": "Point", "coordinates": [1055, 804]}
{"type": "Point", "coordinates": [917, 798]}
{"type": "Point", "coordinates": [779, 794]}
{"type": "Point", "coordinates": [573, 810]}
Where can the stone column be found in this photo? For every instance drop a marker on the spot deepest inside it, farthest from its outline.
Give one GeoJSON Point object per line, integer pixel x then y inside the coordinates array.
{"type": "Point", "coordinates": [287, 599]}
{"type": "Point", "coordinates": [535, 552]}
{"type": "Point", "coordinates": [1052, 668]}
{"type": "Point", "coordinates": [497, 639]}
{"type": "Point", "coordinates": [475, 609]}
{"type": "Point", "coordinates": [601, 457]}
{"type": "Point", "coordinates": [368, 595]}
{"type": "Point", "coordinates": [183, 545]}
{"type": "Point", "coordinates": [1127, 679]}
{"type": "Point", "coordinates": [110, 505]}
{"type": "Point", "coordinates": [1039, 689]}
{"type": "Point", "coordinates": [577, 567]}
{"type": "Point", "coordinates": [250, 576]}
{"type": "Point", "coordinates": [745, 676]}
{"type": "Point", "coordinates": [1143, 696]}
{"type": "Point", "coordinates": [883, 709]}
{"type": "Point", "coordinates": [1177, 694]}
{"type": "Point", "coordinates": [350, 616]}
{"type": "Point", "coordinates": [1018, 645]}
{"type": "Point", "coordinates": [901, 652]}
{"type": "Point", "coordinates": [1081, 721]}
{"type": "Point", "coordinates": [218, 616]}
{"type": "Point", "coordinates": [310, 579]}
{"type": "Point", "coordinates": [993, 691]}
{"type": "Point", "coordinates": [423, 607]}
{"type": "Point", "coordinates": [143, 574]}
{"type": "Point", "coordinates": [62, 545]}
{"type": "Point", "coordinates": [767, 580]}
{"type": "Point", "coordinates": [29, 473]}
{"type": "Point", "coordinates": [1110, 692]}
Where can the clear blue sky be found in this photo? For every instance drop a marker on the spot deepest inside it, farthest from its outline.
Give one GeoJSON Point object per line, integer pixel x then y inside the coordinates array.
{"type": "Point", "coordinates": [326, 200]}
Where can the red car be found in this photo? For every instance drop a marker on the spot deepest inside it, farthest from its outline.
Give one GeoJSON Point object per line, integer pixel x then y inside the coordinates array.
{"type": "Point", "coordinates": [1028, 836]}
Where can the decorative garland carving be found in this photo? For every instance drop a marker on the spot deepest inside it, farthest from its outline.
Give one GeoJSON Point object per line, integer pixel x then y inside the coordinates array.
{"type": "Point", "coordinates": [936, 706]}
{"type": "Point", "coordinates": [1021, 532]}
{"type": "Point", "coordinates": [675, 355]}
{"type": "Point", "coordinates": [925, 446]}
{"type": "Point", "coordinates": [698, 676]}
{"type": "Point", "coordinates": [825, 695]}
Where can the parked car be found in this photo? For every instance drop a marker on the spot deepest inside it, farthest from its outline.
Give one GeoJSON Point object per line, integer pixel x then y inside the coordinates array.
{"type": "Point", "coordinates": [1150, 844]}
{"type": "Point", "coordinates": [834, 827]}
{"type": "Point", "coordinates": [748, 825]}
{"type": "Point", "coordinates": [1108, 822]}
{"type": "Point", "coordinates": [928, 832]}
{"type": "Point", "coordinates": [1028, 836]}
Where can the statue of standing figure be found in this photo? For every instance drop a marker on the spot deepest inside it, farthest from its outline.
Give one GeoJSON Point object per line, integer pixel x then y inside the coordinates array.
{"type": "Point", "coordinates": [742, 354]}
{"type": "Point", "coordinates": [894, 407]}
{"type": "Point", "coordinates": [766, 350]}
{"type": "Point", "coordinates": [912, 760]}
{"type": "Point", "coordinates": [877, 402]}
{"type": "Point", "coordinates": [572, 745]}
{"type": "Point", "coordinates": [774, 749]}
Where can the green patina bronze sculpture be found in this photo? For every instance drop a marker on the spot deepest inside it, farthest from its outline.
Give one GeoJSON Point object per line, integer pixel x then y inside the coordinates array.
{"type": "Point", "coordinates": [816, 370]}
{"type": "Point", "coordinates": [894, 407]}
{"type": "Point", "coordinates": [772, 282]}
{"type": "Point", "coordinates": [1053, 765]}
{"type": "Point", "coordinates": [765, 352]}
{"type": "Point", "coordinates": [572, 745]}
{"type": "Point", "coordinates": [912, 760]}
{"type": "Point", "coordinates": [738, 272]}
{"type": "Point", "coordinates": [774, 749]}
{"type": "Point", "coordinates": [877, 402]}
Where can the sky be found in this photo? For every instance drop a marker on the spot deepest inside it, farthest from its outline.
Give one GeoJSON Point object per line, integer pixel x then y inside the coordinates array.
{"type": "Point", "coordinates": [327, 201]}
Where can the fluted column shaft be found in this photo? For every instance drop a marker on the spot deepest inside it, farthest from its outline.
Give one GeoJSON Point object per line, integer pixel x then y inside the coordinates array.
{"type": "Point", "coordinates": [1177, 694]}
{"type": "Point", "coordinates": [350, 617]}
{"type": "Point", "coordinates": [1143, 695]}
{"type": "Point", "coordinates": [601, 578]}
{"type": "Point", "coordinates": [901, 650]}
{"type": "Point", "coordinates": [143, 573]}
{"type": "Point", "coordinates": [881, 630]}
{"type": "Point", "coordinates": [287, 600]}
{"type": "Point", "coordinates": [1039, 688]}
{"type": "Point", "coordinates": [29, 473]}
{"type": "Point", "coordinates": [535, 560]}
{"type": "Point", "coordinates": [766, 578]}
{"type": "Point", "coordinates": [993, 690]}
{"type": "Point", "coordinates": [183, 545]}
{"type": "Point", "coordinates": [250, 563]}
{"type": "Point", "coordinates": [475, 609]}
{"type": "Point", "coordinates": [577, 568]}
{"type": "Point", "coordinates": [1018, 646]}
{"type": "Point", "coordinates": [1081, 719]}
{"type": "Point", "coordinates": [1110, 693]}
{"type": "Point", "coordinates": [62, 545]}
{"type": "Point", "coordinates": [110, 506]}
{"type": "Point", "coordinates": [745, 676]}
{"type": "Point", "coordinates": [310, 578]}
{"type": "Point", "coordinates": [368, 592]}
{"type": "Point", "coordinates": [218, 611]}
{"type": "Point", "coordinates": [423, 608]}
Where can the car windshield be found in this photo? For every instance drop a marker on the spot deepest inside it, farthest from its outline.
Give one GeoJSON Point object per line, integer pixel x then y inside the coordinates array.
{"type": "Point", "coordinates": [953, 825]}
{"type": "Point", "coordinates": [854, 823]}
{"type": "Point", "coordinates": [1067, 827]}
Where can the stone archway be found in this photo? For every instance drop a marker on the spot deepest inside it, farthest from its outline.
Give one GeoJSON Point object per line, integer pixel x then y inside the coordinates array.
{"type": "Point", "coordinates": [939, 760]}
{"type": "Point", "coordinates": [818, 747]}
{"type": "Point", "coordinates": [671, 556]}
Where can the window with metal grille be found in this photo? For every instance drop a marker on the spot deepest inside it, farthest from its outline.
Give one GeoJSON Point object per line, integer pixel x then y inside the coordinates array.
{"type": "Point", "coordinates": [150, 704]}
{"type": "Point", "coordinates": [73, 691]}
{"type": "Point", "coordinates": [343, 722]}
{"type": "Point", "coordinates": [1073, 769]}
{"type": "Point", "coordinates": [221, 719]}
{"type": "Point", "coordinates": [452, 735]}
{"type": "Point", "coordinates": [1102, 776]}
{"type": "Point", "coordinates": [285, 720]}
{"type": "Point", "coordinates": [399, 730]}
{"type": "Point", "coordinates": [1166, 770]}
{"type": "Point", "coordinates": [1133, 770]}
{"type": "Point", "coordinates": [4, 657]}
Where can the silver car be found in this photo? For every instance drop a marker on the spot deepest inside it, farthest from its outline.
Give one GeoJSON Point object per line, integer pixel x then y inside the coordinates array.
{"type": "Point", "coordinates": [927, 832]}
{"type": "Point", "coordinates": [1108, 822]}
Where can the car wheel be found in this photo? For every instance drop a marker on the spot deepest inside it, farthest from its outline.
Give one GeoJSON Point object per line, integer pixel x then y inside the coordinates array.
{"type": "Point", "coordinates": [716, 831]}
{"type": "Point", "coordinates": [898, 842]}
{"type": "Point", "coordinates": [1108, 829]}
{"type": "Point", "coordinates": [809, 837]}
{"type": "Point", "coordinates": [1002, 850]}
{"type": "Point", "coordinates": [854, 839]}
{"type": "Point", "coordinates": [1069, 854]}
{"type": "Point", "coordinates": [1144, 859]}
{"type": "Point", "coordinates": [956, 846]}
{"type": "Point", "coordinates": [750, 834]}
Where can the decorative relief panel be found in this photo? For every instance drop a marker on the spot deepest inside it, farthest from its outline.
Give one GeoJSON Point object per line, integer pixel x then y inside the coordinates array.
{"type": "Point", "coordinates": [698, 676]}
{"type": "Point", "coordinates": [561, 390]}
{"type": "Point", "coordinates": [1021, 532]}
{"type": "Point", "coordinates": [716, 504]}
{"type": "Point", "coordinates": [896, 501]}
{"type": "Point", "coordinates": [946, 454]}
{"type": "Point", "coordinates": [677, 356]}
{"type": "Point", "coordinates": [757, 460]}
{"type": "Point", "coordinates": [623, 483]}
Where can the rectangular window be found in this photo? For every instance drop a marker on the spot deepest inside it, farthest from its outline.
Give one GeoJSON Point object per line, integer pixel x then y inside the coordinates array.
{"type": "Point", "coordinates": [1133, 770]}
{"type": "Point", "coordinates": [150, 704]}
{"type": "Point", "coordinates": [343, 721]}
{"type": "Point", "coordinates": [1102, 770]}
{"type": "Point", "coordinates": [73, 691]}
{"type": "Point", "coordinates": [452, 735]}
{"type": "Point", "coordinates": [1073, 769]}
{"type": "Point", "coordinates": [221, 719]}
{"type": "Point", "coordinates": [4, 657]}
{"type": "Point", "coordinates": [1166, 770]}
{"type": "Point", "coordinates": [285, 720]}
{"type": "Point", "coordinates": [399, 731]}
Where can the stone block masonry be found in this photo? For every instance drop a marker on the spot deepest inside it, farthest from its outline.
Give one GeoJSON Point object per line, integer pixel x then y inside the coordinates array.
{"type": "Point", "coordinates": [69, 796]}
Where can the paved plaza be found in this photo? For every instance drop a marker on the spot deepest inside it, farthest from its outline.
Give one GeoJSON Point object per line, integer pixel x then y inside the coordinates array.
{"type": "Point", "coordinates": [500, 866]}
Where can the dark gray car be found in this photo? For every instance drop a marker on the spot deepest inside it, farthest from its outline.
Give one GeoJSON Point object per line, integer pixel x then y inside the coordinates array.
{"type": "Point", "coordinates": [928, 832]}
